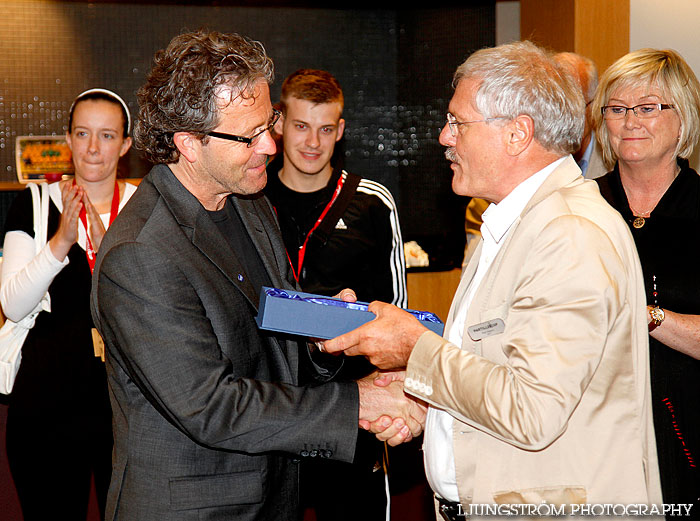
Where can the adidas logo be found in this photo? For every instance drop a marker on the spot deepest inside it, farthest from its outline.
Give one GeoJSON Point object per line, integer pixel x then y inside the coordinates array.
{"type": "Point", "coordinates": [340, 225]}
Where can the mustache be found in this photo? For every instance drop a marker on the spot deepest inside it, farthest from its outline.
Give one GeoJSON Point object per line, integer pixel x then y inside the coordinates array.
{"type": "Point", "coordinates": [451, 155]}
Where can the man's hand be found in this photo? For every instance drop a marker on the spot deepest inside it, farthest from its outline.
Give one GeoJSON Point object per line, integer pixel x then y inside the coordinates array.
{"type": "Point", "coordinates": [388, 412]}
{"type": "Point", "coordinates": [346, 295]}
{"type": "Point", "coordinates": [386, 341]}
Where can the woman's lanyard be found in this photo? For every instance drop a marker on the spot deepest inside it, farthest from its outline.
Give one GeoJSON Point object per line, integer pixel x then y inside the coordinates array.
{"type": "Point", "coordinates": [89, 250]}
{"type": "Point", "coordinates": [302, 248]}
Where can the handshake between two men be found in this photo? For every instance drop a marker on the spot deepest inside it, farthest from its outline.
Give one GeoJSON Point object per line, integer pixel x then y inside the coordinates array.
{"type": "Point", "coordinates": [387, 341]}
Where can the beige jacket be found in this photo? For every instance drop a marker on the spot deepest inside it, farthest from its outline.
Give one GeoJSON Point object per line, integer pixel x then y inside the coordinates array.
{"type": "Point", "coordinates": [554, 405]}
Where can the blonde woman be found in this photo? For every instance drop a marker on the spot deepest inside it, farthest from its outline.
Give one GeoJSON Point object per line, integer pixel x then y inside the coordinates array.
{"type": "Point", "coordinates": [648, 121]}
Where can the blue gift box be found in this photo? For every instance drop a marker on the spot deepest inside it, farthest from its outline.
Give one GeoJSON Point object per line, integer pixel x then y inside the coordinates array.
{"type": "Point", "coordinates": [317, 316]}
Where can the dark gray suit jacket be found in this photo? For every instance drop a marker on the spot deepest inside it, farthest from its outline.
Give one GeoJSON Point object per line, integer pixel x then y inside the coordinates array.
{"type": "Point", "coordinates": [210, 413]}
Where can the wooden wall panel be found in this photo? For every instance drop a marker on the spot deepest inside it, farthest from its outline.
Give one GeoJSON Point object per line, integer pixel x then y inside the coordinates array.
{"type": "Point", "coordinates": [602, 30]}
{"type": "Point", "coordinates": [432, 291]}
{"type": "Point", "coordinates": [598, 29]}
{"type": "Point", "coordinates": [549, 23]}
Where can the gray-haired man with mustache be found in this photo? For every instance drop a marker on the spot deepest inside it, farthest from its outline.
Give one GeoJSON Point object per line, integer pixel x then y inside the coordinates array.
{"type": "Point", "coordinates": [539, 390]}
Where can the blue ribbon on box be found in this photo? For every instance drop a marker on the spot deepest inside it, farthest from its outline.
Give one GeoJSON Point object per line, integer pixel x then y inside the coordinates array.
{"type": "Point", "coordinates": [279, 293]}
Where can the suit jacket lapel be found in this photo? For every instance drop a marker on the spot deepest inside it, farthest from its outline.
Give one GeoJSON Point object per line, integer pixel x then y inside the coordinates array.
{"type": "Point", "coordinates": [464, 281]}
{"type": "Point", "coordinates": [257, 217]}
{"type": "Point", "coordinates": [269, 244]}
{"type": "Point", "coordinates": [566, 173]}
{"type": "Point", "coordinates": [205, 236]}
{"type": "Point", "coordinates": [195, 221]}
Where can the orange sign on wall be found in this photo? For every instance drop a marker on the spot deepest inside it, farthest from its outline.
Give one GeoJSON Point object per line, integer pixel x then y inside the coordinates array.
{"type": "Point", "coordinates": [42, 158]}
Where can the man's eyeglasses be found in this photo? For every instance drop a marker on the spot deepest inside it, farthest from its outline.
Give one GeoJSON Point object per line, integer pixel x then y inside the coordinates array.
{"type": "Point", "coordinates": [643, 111]}
{"type": "Point", "coordinates": [454, 124]}
{"type": "Point", "coordinates": [249, 141]}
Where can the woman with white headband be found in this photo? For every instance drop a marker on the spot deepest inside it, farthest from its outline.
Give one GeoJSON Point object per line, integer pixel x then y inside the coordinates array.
{"type": "Point", "coordinates": [59, 417]}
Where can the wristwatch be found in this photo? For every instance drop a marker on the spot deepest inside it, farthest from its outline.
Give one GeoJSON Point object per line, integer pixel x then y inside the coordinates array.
{"type": "Point", "coordinates": [657, 316]}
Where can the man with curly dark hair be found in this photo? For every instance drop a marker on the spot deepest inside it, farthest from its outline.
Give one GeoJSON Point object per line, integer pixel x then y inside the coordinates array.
{"type": "Point", "coordinates": [212, 415]}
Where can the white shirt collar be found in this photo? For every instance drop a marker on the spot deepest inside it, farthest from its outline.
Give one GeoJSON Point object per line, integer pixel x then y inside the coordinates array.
{"type": "Point", "coordinates": [498, 218]}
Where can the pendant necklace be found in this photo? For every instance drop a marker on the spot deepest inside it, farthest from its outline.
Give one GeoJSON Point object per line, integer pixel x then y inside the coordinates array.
{"type": "Point", "coordinates": [640, 217]}
{"type": "Point", "coordinates": [639, 221]}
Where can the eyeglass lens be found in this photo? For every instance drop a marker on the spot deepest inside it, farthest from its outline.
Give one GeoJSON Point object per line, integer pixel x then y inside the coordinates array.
{"type": "Point", "coordinates": [645, 110]}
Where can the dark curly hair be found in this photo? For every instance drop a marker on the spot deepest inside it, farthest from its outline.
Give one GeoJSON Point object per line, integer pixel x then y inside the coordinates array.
{"type": "Point", "coordinates": [180, 92]}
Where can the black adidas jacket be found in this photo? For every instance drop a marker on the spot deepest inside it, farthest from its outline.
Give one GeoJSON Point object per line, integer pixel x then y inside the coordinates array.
{"type": "Point", "coordinates": [363, 250]}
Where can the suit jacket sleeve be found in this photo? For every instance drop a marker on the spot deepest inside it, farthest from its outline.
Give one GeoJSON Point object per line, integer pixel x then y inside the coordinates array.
{"type": "Point", "coordinates": [530, 378]}
{"type": "Point", "coordinates": [161, 336]}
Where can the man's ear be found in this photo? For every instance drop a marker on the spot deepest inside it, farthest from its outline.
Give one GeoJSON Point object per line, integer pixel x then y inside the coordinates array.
{"type": "Point", "coordinates": [521, 132]}
{"type": "Point", "coordinates": [279, 126]}
{"type": "Point", "coordinates": [187, 144]}
{"type": "Point", "coordinates": [341, 129]}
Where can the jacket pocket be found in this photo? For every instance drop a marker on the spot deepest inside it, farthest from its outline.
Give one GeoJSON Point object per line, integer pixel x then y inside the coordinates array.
{"type": "Point", "coordinates": [563, 495]}
{"type": "Point", "coordinates": [192, 492]}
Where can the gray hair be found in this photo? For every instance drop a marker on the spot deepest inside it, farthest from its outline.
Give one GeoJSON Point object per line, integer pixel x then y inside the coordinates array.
{"type": "Point", "coordinates": [520, 78]}
{"type": "Point", "coordinates": [583, 69]}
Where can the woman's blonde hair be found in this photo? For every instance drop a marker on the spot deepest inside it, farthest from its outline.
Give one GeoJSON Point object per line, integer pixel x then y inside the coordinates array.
{"type": "Point", "coordinates": [668, 71]}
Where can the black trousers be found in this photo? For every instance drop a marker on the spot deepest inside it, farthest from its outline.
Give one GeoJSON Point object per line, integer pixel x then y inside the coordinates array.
{"type": "Point", "coordinates": [52, 461]}
{"type": "Point", "coordinates": [339, 491]}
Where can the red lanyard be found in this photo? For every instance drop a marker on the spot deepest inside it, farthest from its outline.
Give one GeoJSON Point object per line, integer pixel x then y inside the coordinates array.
{"type": "Point", "coordinates": [89, 250]}
{"type": "Point", "coordinates": [302, 248]}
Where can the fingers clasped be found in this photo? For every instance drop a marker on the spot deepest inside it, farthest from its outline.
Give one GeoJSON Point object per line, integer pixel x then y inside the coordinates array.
{"type": "Point", "coordinates": [401, 417]}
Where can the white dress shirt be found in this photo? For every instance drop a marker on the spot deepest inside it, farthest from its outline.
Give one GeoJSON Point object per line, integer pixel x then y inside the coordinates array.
{"type": "Point", "coordinates": [498, 219]}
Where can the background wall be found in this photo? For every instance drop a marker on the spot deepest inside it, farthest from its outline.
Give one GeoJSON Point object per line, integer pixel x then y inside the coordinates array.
{"type": "Point", "coordinates": [395, 66]}
{"type": "Point", "coordinates": [507, 21]}
{"type": "Point", "coordinates": [669, 24]}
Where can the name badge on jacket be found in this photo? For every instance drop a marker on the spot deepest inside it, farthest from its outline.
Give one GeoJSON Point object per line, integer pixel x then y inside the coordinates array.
{"type": "Point", "coordinates": [486, 329]}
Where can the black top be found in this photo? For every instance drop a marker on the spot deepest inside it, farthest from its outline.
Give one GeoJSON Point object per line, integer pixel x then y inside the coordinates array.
{"type": "Point", "coordinates": [669, 249]}
{"type": "Point", "coordinates": [59, 375]}
{"type": "Point", "coordinates": [359, 252]}
{"type": "Point", "coordinates": [233, 230]}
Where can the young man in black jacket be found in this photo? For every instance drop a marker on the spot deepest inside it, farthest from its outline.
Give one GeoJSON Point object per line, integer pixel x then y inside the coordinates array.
{"type": "Point", "coordinates": [340, 231]}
